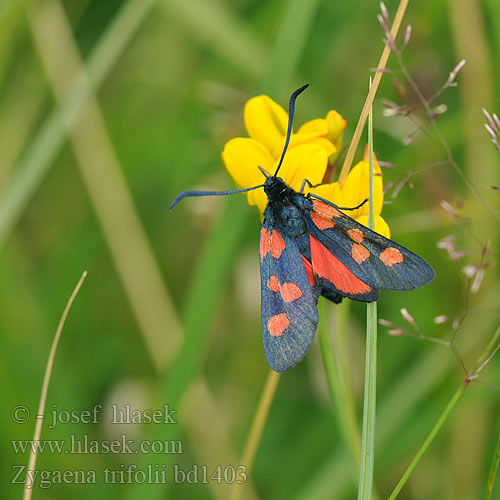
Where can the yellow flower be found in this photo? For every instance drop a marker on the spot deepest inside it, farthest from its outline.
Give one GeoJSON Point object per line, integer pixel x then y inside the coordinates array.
{"type": "Point", "coordinates": [266, 123]}
{"type": "Point", "coordinates": [316, 144]}
{"type": "Point", "coordinates": [334, 126]}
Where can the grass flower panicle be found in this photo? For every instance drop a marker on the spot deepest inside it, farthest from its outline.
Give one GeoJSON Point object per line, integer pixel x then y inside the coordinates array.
{"type": "Point", "coordinates": [493, 128]}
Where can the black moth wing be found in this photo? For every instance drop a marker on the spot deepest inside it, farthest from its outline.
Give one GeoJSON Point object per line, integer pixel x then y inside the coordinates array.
{"type": "Point", "coordinates": [374, 259]}
{"type": "Point", "coordinates": [289, 303]}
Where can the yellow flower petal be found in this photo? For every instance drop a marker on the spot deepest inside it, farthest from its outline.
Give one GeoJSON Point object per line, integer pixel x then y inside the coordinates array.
{"type": "Point", "coordinates": [330, 192]}
{"type": "Point", "coordinates": [265, 121]}
{"type": "Point", "coordinates": [242, 157]}
{"type": "Point", "coordinates": [355, 189]}
{"type": "Point", "coordinates": [330, 129]}
{"type": "Point", "coordinates": [329, 148]}
{"type": "Point", "coordinates": [336, 126]}
{"type": "Point", "coordinates": [318, 126]}
{"type": "Point", "coordinates": [258, 197]}
{"type": "Point", "coordinates": [304, 138]}
{"type": "Point", "coordinates": [381, 226]}
{"type": "Point", "coordinates": [308, 161]}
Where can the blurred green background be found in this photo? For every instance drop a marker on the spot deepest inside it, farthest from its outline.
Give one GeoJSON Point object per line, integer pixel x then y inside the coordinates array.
{"type": "Point", "coordinates": [170, 311]}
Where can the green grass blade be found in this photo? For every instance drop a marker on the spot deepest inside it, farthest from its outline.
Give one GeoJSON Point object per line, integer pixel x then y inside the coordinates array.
{"type": "Point", "coordinates": [288, 45]}
{"type": "Point", "coordinates": [36, 161]}
{"type": "Point", "coordinates": [493, 471]}
{"type": "Point", "coordinates": [6, 6]}
{"type": "Point", "coordinates": [342, 403]}
{"type": "Point", "coordinates": [213, 24]}
{"type": "Point", "coordinates": [206, 290]}
{"type": "Point", "coordinates": [370, 397]}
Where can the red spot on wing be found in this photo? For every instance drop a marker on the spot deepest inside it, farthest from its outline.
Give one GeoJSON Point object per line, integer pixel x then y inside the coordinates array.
{"type": "Point", "coordinates": [326, 210]}
{"type": "Point", "coordinates": [273, 284]}
{"type": "Point", "coordinates": [277, 244]}
{"type": "Point", "coordinates": [264, 242]}
{"type": "Point", "coordinates": [290, 292]}
{"type": "Point", "coordinates": [277, 324]}
{"type": "Point", "coordinates": [321, 222]}
{"type": "Point", "coordinates": [309, 271]}
{"type": "Point", "coordinates": [391, 256]}
{"type": "Point", "coordinates": [359, 253]}
{"type": "Point", "coordinates": [356, 235]}
{"type": "Point", "coordinates": [326, 265]}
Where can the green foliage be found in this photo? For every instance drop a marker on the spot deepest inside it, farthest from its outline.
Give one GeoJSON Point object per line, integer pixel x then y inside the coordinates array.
{"type": "Point", "coordinates": [171, 79]}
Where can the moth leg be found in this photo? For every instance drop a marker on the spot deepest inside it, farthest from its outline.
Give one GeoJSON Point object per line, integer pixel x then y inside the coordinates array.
{"type": "Point", "coordinates": [355, 208]}
{"type": "Point", "coordinates": [312, 195]}
{"type": "Point", "coordinates": [303, 185]}
{"type": "Point", "coordinates": [309, 183]}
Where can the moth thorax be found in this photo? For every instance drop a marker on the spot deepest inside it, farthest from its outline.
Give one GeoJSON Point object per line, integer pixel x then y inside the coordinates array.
{"type": "Point", "coordinates": [290, 219]}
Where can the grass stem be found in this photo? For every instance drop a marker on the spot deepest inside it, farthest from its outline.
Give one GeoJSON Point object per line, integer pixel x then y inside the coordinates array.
{"type": "Point", "coordinates": [258, 423]}
{"type": "Point", "coordinates": [493, 471]}
{"type": "Point", "coordinates": [371, 94]}
{"type": "Point", "coordinates": [370, 397]}
{"type": "Point", "coordinates": [28, 485]}
{"type": "Point", "coordinates": [437, 427]}
{"type": "Point", "coordinates": [339, 390]}
{"type": "Point", "coordinates": [444, 415]}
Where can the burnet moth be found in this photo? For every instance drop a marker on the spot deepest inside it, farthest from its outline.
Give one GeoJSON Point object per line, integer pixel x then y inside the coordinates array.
{"type": "Point", "coordinates": [308, 248]}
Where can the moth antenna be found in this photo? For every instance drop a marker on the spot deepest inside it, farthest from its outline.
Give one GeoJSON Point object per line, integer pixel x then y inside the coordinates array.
{"type": "Point", "coordinates": [291, 112]}
{"type": "Point", "coordinates": [187, 194]}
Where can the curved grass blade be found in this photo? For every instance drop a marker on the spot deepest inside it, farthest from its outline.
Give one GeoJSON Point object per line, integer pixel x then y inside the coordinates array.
{"type": "Point", "coordinates": [36, 162]}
